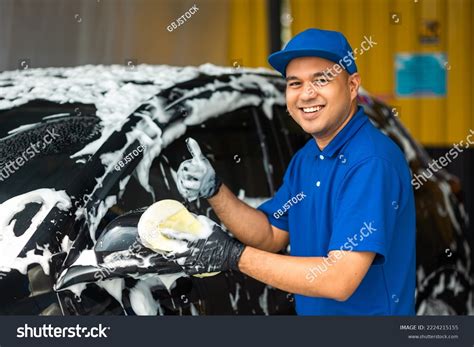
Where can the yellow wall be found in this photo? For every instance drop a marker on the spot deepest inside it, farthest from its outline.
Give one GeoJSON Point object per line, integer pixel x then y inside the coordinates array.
{"type": "Point", "coordinates": [248, 33]}
{"type": "Point", "coordinates": [433, 121]}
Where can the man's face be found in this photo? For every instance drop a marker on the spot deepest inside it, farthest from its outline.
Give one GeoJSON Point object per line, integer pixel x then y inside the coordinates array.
{"type": "Point", "coordinates": [318, 102]}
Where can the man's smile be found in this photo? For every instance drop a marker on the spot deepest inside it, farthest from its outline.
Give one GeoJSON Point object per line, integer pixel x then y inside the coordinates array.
{"type": "Point", "coordinates": [311, 112]}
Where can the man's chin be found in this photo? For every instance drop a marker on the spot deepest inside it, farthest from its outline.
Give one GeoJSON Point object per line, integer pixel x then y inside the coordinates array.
{"type": "Point", "coordinates": [312, 129]}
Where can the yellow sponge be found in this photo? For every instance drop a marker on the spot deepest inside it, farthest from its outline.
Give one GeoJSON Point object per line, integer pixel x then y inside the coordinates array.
{"type": "Point", "coordinates": [172, 216]}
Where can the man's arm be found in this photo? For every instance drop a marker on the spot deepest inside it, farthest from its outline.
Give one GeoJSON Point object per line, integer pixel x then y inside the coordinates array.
{"type": "Point", "coordinates": [335, 277]}
{"type": "Point", "coordinates": [249, 225]}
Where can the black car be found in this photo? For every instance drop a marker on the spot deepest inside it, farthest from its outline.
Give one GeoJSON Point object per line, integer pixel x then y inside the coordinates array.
{"type": "Point", "coordinates": [99, 144]}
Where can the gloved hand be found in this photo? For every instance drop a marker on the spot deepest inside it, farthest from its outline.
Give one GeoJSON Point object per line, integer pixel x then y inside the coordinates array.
{"type": "Point", "coordinates": [218, 252]}
{"type": "Point", "coordinates": [196, 177]}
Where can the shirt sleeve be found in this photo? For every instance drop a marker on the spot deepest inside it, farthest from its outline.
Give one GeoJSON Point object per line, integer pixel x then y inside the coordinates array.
{"type": "Point", "coordinates": [277, 215]}
{"type": "Point", "coordinates": [366, 208]}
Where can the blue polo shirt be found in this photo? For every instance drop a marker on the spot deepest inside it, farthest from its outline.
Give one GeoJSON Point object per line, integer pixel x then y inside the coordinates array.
{"type": "Point", "coordinates": [355, 195]}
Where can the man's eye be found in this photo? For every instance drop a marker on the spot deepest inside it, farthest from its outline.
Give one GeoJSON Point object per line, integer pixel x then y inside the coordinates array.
{"type": "Point", "coordinates": [294, 84]}
{"type": "Point", "coordinates": [321, 81]}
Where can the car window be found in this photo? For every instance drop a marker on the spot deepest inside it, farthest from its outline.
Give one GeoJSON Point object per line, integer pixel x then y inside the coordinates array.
{"type": "Point", "coordinates": [289, 130]}
{"type": "Point", "coordinates": [232, 145]}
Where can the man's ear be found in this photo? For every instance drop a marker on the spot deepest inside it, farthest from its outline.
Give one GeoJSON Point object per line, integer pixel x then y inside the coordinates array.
{"type": "Point", "coordinates": [354, 84]}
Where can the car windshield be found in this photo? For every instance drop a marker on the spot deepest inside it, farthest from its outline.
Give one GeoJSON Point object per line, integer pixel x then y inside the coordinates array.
{"type": "Point", "coordinates": [25, 132]}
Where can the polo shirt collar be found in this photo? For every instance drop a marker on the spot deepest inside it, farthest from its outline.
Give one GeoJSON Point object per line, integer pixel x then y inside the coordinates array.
{"type": "Point", "coordinates": [359, 119]}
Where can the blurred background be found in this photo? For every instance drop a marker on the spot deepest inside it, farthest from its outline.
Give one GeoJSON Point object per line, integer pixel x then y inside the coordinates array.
{"type": "Point", "coordinates": [421, 64]}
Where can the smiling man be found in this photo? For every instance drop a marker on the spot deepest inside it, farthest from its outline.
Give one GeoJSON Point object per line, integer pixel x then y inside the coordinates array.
{"type": "Point", "coordinates": [346, 203]}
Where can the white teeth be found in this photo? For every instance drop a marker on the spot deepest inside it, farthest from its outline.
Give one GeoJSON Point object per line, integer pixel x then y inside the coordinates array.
{"type": "Point", "coordinates": [312, 109]}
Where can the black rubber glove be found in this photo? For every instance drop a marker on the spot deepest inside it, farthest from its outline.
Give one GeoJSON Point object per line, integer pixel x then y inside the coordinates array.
{"type": "Point", "coordinates": [196, 177]}
{"type": "Point", "coordinates": [219, 252]}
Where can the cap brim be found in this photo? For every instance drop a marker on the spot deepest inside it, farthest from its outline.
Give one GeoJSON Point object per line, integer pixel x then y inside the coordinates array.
{"type": "Point", "coordinates": [280, 60]}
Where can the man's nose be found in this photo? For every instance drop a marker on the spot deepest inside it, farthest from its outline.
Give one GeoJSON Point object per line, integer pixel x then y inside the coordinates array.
{"type": "Point", "coordinates": [309, 91]}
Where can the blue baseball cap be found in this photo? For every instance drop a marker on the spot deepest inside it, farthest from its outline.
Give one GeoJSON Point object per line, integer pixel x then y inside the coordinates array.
{"type": "Point", "coordinates": [327, 44]}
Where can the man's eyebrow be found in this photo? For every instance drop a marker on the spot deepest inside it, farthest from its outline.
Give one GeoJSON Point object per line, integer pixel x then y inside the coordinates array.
{"type": "Point", "coordinates": [319, 74]}
{"type": "Point", "coordinates": [289, 78]}
{"type": "Point", "coordinates": [316, 74]}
